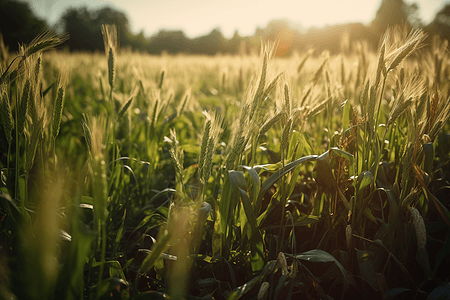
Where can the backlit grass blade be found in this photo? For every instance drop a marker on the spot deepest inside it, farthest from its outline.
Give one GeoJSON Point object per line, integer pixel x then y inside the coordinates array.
{"type": "Point", "coordinates": [256, 240]}
{"type": "Point", "coordinates": [256, 185]}
{"type": "Point", "coordinates": [227, 206]}
{"type": "Point", "coordinates": [157, 249]}
{"type": "Point", "coordinates": [443, 211]}
{"type": "Point", "coordinates": [281, 172]}
{"type": "Point", "coordinates": [240, 291]}
{"type": "Point", "coordinates": [318, 255]}
{"type": "Point", "coordinates": [124, 108]}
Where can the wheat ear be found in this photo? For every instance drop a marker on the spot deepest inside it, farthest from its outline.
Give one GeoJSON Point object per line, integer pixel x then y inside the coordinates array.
{"type": "Point", "coordinates": [23, 106]}
{"type": "Point", "coordinates": [419, 225]}
{"type": "Point", "coordinates": [6, 115]}
{"type": "Point", "coordinates": [57, 112]}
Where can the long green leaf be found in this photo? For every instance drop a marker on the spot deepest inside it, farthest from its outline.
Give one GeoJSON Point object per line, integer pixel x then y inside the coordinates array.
{"type": "Point", "coordinates": [428, 150]}
{"type": "Point", "coordinates": [157, 249]}
{"type": "Point", "coordinates": [256, 186]}
{"type": "Point", "coordinates": [227, 206]}
{"type": "Point", "coordinates": [243, 289]}
{"type": "Point", "coordinates": [281, 172]}
{"type": "Point", "coordinates": [443, 211]}
{"type": "Point", "coordinates": [317, 255]}
{"type": "Point", "coordinates": [124, 108]}
{"type": "Point", "coordinates": [347, 114]}
{"type": "Point", "coordinates": [256, 240]}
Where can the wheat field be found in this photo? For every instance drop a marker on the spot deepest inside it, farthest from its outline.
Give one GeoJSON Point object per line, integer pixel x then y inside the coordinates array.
{"type": "Point", "coordinates": [317, 176]}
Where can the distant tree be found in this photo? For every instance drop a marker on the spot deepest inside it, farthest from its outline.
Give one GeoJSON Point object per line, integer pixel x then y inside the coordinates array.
{"type": "Point", "coordinates": [251, 44]}
{"type": "Point", "coordinates": [284, 32]}
{"type": "Point", "coordinates": [84, 27]}
{"type": "Point", "coordinates": [108, 15]}
{"type": "Point", "coordinates": [234, 43]}
{"type": "Point", "coordinates": [83, 34]}
{"type": "Point", "coordinates": [390, 13]}
{"type": "Point", "coordinates": [441, 23]}
{"type": "Point", "coordinates": [412, 11]}
{"type": "Point", "coordinates": [18, 24]}
{"type": "Point", "coordinates": [168, 41]}
{"type": "Point", "coordinates": [276, 27]}
{"type": "Point", "coordinates": [210, 44]}
{"type": "Point", "coordinates": [259, 32]}
{"type": "Point", "coordinates": [394, 12]}
{"type": "Point", "coordinates": [138, 42]}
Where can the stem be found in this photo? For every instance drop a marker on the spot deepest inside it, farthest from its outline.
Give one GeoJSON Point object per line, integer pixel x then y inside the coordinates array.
{"type": "Point", "coordinates": [283, 205]}
{"type": "Point", "coordinates": [330, 123]}
{"type": "Point", "coordinates": [41, 155]}
{"type": "Point", "coordinates": [379, 102]}
{"type": "Point", "coordinates": [10, 64]}
{"type": "Point", "coordinates": [393, 146]}
{"type": "Point", "coordinates": [102, 240]}
{"type": "Point", "coordinates": [54, 152]}
{"type": "Point", "coordinates": [379, 155]}
{"type": "Point", "coordinates": [364, 152]}
{"type": "Point", "coordinates": [26, 189]}
{"type": "Point", "coordinates": [113, 128]}
{"type": "Point", "coordinates": [253, 155]}
{"type": "Point", "coordinates": [16, 178]}
{"type": "Point", "coordinates": [136, 283]}
{"type": "Point", "coordinates": [102, 265]}
{"type": "Point", "coordinates": [8, 171]}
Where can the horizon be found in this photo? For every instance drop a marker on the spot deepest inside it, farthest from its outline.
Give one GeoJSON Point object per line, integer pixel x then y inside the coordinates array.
{"type": "Point", "coordinates": [153, 16]}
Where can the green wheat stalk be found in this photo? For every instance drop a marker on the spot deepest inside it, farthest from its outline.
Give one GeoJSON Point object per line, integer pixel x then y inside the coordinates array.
{"type": "Point", "coordinates": [57, 112]}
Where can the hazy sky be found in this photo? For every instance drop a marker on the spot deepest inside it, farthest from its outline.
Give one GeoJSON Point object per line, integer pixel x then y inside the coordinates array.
{"type": "Point", "coordinates": [198, 17]}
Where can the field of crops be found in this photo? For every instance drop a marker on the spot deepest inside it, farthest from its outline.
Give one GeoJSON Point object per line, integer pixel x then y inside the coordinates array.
{"type": "Point", "coordinates": [318, 176]}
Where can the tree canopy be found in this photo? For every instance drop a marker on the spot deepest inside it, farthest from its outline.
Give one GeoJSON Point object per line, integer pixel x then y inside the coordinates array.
{"type": "Point", "coordinates": [84, 27]}
{"type": "Point", "coordinates": [18, 24]}
{"type": "Point", "coordinates": [441, 23]}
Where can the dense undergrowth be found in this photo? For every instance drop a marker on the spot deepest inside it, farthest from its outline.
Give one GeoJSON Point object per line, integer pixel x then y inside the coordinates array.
{"type": "Point", "coordinates": [187, 177]}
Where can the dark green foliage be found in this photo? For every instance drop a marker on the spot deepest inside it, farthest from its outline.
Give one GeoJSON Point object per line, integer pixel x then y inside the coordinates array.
{"type": "Point", "coordinates": [18, 24]}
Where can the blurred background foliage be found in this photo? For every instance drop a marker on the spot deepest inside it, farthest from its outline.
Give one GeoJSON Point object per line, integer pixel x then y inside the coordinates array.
{"type": "Point", "coordinates": [19, 24]}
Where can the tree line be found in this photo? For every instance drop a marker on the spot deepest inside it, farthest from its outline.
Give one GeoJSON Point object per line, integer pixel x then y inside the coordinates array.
{"type": "Point", "coordinates": [18, 24]}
